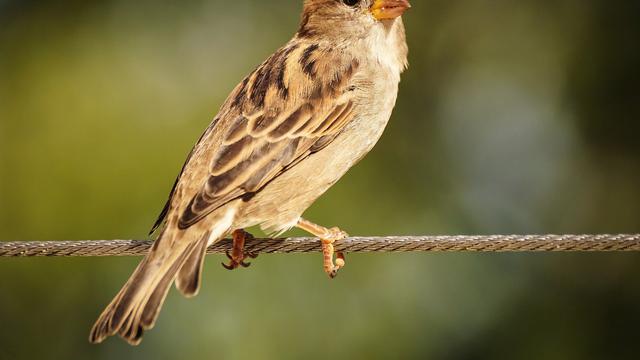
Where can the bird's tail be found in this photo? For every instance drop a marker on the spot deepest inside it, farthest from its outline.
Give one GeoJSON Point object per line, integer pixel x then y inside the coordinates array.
{"type": "Point", "coordinates": [176, 255]}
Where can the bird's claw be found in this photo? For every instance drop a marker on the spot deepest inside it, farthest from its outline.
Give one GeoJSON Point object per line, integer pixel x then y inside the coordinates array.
{"type": "Point", "coordinates": [334, 234]}
{"type": "Point", "coordinates": [332, 267]}
{"type": "Point", "coordinates": [328, 236]}
{"type": "Point", "coordinates": [235, 264]}
{"type": "Point", "coordinates": [238, 255]}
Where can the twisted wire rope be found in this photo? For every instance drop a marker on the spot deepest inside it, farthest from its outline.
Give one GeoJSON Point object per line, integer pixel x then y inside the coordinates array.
{"type": "Point", "coordinates": [445, 243]}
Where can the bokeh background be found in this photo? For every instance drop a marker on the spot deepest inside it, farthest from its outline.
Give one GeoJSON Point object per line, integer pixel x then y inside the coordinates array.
{"type": "Point", "coordinates": [515, 117]}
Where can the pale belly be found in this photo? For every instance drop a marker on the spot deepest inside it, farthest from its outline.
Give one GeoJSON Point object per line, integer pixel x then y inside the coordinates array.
{"type": "Point", "coordinates": [279, 205]}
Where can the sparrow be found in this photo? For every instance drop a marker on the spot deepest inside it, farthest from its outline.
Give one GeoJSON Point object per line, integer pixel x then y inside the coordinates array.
{"type": "Point", "coordinates": [286, 133]}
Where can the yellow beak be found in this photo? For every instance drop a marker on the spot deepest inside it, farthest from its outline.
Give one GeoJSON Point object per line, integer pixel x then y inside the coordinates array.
{"type": "Point", "coordinates": [389, 9]}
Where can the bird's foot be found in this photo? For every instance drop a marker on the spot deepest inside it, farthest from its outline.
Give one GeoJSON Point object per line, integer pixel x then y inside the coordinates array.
{"type": "Point", "coordinates": [327, 238]}
{"type": "Point", "coordinates": [237, 255]}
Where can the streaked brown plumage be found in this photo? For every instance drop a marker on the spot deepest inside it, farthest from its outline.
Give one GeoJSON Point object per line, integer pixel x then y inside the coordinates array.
{"type": "Point", "coordinates": [284, 135]}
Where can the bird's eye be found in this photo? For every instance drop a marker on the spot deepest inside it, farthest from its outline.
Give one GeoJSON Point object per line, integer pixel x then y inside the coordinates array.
{"type": "Point", "coordinates": [351, 2]}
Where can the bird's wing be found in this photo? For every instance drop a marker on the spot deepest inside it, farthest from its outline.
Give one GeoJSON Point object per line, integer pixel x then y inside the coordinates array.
{"type": "Point", "coordinates": [291, 106]}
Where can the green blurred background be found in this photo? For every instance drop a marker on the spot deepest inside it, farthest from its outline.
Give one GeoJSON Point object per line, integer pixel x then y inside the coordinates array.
{"type": "Point", "coordinates": [514, 117]}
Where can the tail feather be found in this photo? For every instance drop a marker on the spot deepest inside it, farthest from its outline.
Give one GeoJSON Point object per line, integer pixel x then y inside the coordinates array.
{"type": "Point", "coordinates": [108, 323]}
{"type": "Point", "coordinates": [176, 254]}
{"type": "Point", "coordinates": [190, 274]}
{"type": "Point", "coordinates": [137, 305]}
{"type": "Point", "coordinates": [143, 315]}
{"type": "Point", "coordinates": [156, 299]}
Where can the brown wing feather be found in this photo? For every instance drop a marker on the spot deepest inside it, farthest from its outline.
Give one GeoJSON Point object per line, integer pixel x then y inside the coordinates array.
{"type": "Point", "coordinates": [165, 210]}
{"type": "Point", "coordinates": [266, 137]}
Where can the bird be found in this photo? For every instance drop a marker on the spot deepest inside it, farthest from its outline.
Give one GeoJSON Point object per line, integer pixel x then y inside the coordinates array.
{"type": "Point", "coordinates": [289, 131]}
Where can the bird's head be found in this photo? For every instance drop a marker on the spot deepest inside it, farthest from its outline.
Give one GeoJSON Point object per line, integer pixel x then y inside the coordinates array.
{"type": "Point", "coordinates": [349, 18]}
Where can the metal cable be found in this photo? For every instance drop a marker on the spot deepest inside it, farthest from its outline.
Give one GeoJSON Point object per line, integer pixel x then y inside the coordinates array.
{"type": "Point", "coordinates": [476, 243]}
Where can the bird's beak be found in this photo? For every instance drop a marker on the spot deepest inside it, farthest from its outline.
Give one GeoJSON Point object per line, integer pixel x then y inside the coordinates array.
{"type": "Point", "coordinates": [388, 9]}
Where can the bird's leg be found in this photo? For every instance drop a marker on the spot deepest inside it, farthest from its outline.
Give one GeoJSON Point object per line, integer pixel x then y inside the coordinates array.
{"type": "Point", "coordinates": [237, 255]}
{"type": "Point", "coordinates": [327, 237]}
